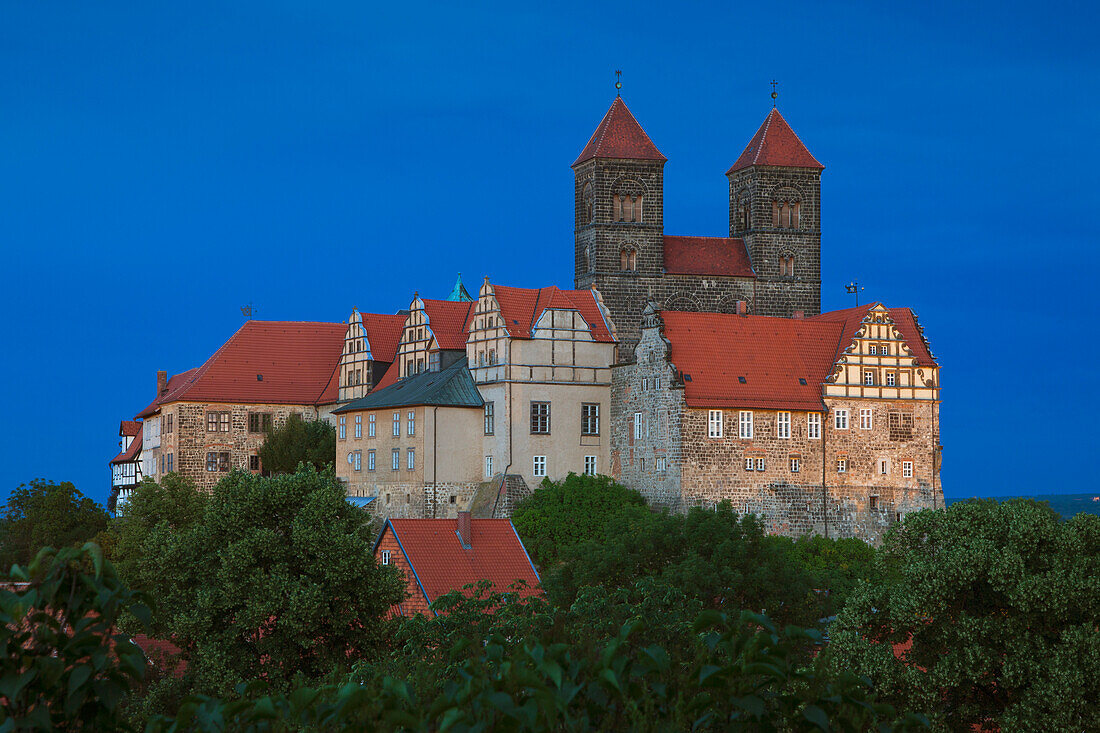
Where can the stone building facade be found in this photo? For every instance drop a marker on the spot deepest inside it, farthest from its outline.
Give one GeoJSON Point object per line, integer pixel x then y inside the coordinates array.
{"type": "Point", "coordinates": [769, 265]}
{"type": "Point", "coordinates": [824, 425]}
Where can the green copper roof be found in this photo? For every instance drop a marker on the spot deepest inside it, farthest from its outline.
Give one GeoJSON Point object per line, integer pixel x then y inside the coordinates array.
{"type": "Point", "coordinates": [450, 387]}
{"type": "Point", "coordinates": [458, 292]}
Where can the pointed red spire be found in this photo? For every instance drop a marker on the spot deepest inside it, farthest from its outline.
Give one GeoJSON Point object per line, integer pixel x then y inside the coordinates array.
{"type": "Point", "coordinates": [775, 144]}
{"type": "Point", "coordinates": [619, 136]}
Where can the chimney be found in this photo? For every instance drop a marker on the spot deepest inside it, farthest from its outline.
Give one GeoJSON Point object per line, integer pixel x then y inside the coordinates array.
{"type": "Point", "coordinates": [798, 315]}
{"type": "Point", "coordinates": [742, 307]}
{"type": "Point", "coordinates": [162, 383]}
{"type": "Point", "coordinates": [465, 536]}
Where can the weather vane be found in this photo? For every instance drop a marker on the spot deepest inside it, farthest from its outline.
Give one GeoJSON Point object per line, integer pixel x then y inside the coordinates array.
{"type": "Point", "coordinates": [618, 82]}
{"type": "Point", "coordinates": [247, 310]}
{"type": "Point", "coordinates": [775, 94]}
{"type": "Point", "coordinates": [853, 288]}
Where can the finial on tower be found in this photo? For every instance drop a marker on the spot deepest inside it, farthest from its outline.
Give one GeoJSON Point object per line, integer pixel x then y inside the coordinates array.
{"type": "Point", "coordinates": [618, 83]}
{"type": "Point", "coordinates": [775, 94]}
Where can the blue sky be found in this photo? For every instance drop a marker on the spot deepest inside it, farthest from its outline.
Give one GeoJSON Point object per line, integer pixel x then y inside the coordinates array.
{"type": "Point", "coordinates": [164, 164]}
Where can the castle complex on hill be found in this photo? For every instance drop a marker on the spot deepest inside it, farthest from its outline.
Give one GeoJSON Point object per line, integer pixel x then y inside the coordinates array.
{"type": "Point", "coordinates": [693, 369]}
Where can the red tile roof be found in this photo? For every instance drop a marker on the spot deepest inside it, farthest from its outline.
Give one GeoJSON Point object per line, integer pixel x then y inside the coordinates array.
{"type": "Point", "coordinates": [131, 453]}
{"type": "Point", "coordinates": [297, 360]}
{"type": "Point", "coordinates": [390, 377]}
{"type": "Point", "coordinates": [129, 427]}
{"type": "Point", "coordinates": [383, 334]}
{"type": "Point", "coordinates": [619, 136]}
{"type": "Point", "coordinates": [772, 354]}
{"type": "Point", "coordinates": [175, 383]}
{"type": "Point", "coordinates": [849, 320]}
{"type": "Point", "coordinates": [442, 565]}
{"type": "Point", "coordinates": [521, 308]}
{"type": "Point", "coordinates": [449, 321]}
{"type": "Point", "coordinates": [775, 144]}
{"type": "Point", "coordinates": [722, 256]}
{"type": "Point", "coordinates": [906, 322]}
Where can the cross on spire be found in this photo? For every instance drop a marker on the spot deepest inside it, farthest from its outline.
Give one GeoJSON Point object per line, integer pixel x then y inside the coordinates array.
{"type": "Point", "coordinates": [775, 94]}
{"type": "Point", "coordinates": [618, 83]}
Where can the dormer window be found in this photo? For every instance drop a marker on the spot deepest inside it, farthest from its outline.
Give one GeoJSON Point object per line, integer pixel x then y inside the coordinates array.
{"type": "Point", "coordinates": [626, 207]}
{"type": "Point", "coordinates": [628, 259]}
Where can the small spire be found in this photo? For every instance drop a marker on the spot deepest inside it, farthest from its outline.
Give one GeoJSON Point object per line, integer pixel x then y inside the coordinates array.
{"type": "Point", "coordinates": [459, 292]}
{"type": "Point", "coordinates": [775, 94]}
{"type": "Point", "coordinates": [618, 83]}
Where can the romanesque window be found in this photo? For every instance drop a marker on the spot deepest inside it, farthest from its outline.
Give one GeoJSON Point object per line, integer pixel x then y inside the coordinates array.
{"type": "Point", "coordinates": [786, 214]}
{"type": "Point", "coordinates": [744, 216]}
{"type": "Point", "coordinates": [813, 426]}
{"type": "Point", "coordinates": [586, 203]}
{"type": "Point", "coordinates": [714, 424]}
{"type": "Point", "coordinates": [782, 425]}
{"type": "Point", "coordinates": [786, 265]}
{"type": "Point", "coordinates": [588, 263]}
{"type": "Point", "coordinates": [628, 259]}
{"type": "Point", "coordinates": [626, 207]}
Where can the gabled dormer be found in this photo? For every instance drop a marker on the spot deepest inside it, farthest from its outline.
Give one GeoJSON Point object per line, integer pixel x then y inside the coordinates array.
{"type": "Point", "coordinates": [434, 336]}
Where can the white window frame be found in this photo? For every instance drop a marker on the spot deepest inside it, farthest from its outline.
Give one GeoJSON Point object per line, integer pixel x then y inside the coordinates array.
{"type": "Point", "coordinates": [813, 426]}
{"type": "Point", "coordinates": [385, 557]}
{"type": "Point", "coordinates": [873, 350]}
{"type": "Point", "coordinates": [397, 424]}
{"type": "Point", "coordinates": [749, 463]}
{"type": "Point", "coordinates": [842, 465]}
{"type": "Point", "coordinates": [410, 459]}
{"type": "Point", "coordinates": [840, 418]}
{"type": "Point", "coordinates": [343, 427]}
{"type": "Point", "coordinates": [866, 418]}
{"type": "Point", "coordinates": [637, 426]}
{"type": "Point", "coordinates": [370, 427]}
{"type": "Point", "coordinates": [714, 424]}
{"type": "Point", "coordinates": [796, 465]}
{"type": "Point", "coordinates": [783, 424]}
{"type": "Point", "coordinates": [395, 456]}
{"type": "Point", "coordinates": [590, 465]}
{"type": "Point", "coordinates": [488, 466]}
{"type": "Point", "coordinates": [358, 460]}
{"type": "Point", "coordinates": [358, 426]}
{"type": "Point", "coordinates": [744, 425]}
{"type": "Point", "coordinates": [907, 469]}
{"type": "Point", "coordinates": [868, 378]}
{"type": "Point", "coordinates": [410, 428]}
{"type": "Point", "coordinates": [891, 379]}
{"type": "Point", "coordinates": [662, 464]}
{"type": "Point", "coordinates": [370, 460]}
{"type": "Point", "coordinates": [760, 463]}
{"type": "Point", "coordinates": [538, 466]}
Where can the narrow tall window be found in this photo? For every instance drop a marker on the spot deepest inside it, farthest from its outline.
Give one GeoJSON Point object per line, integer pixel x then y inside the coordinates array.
{"type": "Point", "coordinates": [796, 464]}
{"type": "Point", "coordinates": [358, 461]}
{"type": "Point", "coordinates": [538, 467]}
{"type": "Point", "coordinates": [714, 424]}
{"type": "Point", "coordinates": [395, 459]}
{"type": "Point", "coordinates": [745, 423]}
{"type": "Point", "coordinates": [397, 424]}
{"type": "Point", "coordinates": [370, 460]}
{"type": "Point", "coordinates": [370, 427]}
{"type": "Point", "coordinates": [638, 426]}
{"type": "Point", "coordinates": [488, 466]}
{"type": "Point", "coordinates": [385, 557]}
{"type": "Point", "coordinates": [660, 464]}
{"type": "Point", "coordinates": [410, 456]}
{"type": "Point", "coordinates": [490, 425]}
{"type": "Point", "coordinates": [813, 426]}
{"type": "Point", "coordinates": [590, 418]}
{"type": "Point", "coordinates": [343, 427]}
{"type": "Point", "coordinates": [760, 464]}
{"type": "Point", "coordinates": [865, 419]}
{"type": "Point", "coordinates": [411, 422]}
{"type": "Point", "coordinates": [358, 426]}
{"type": "Point", "coordinates": [783, 425]}
{"type": "Point", "coordinates": [840, 419]}
{"type": "Point", "coordinates": [540, 418]}
{"type": "Point", "coordinates": [884, 467]}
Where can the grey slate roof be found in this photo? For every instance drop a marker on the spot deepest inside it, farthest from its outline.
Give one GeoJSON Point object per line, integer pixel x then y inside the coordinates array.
{"type": "Point", "coordinates": [450, 387]}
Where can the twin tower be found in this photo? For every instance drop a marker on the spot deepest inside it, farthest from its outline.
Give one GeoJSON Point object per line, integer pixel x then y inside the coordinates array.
{"type": "Point", "coordinates": [769, 265]}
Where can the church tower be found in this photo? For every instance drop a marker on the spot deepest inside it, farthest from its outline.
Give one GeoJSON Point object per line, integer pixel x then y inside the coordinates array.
{"type": "Point", "coordinates": [619, 190]}
{"type": "Point", "coordinates": [775, 205]}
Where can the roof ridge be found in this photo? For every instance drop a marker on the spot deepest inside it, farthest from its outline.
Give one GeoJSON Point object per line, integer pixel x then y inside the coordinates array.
{"type": "Point", "coordinates": [764, 135]}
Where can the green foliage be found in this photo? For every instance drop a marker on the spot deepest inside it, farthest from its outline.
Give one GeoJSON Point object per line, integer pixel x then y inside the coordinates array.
{"type": "Point", "coordinates": [741, 677]}
{"type": "Point", "coordinates": [999, 603]}
{"type": "Point", "coordinates": [266, 578]}
{"type": "Point", "coordinates": [562, 513]}
{"type": "Point", "coordinates": [299, 441]}
{"type": "Point", "coordinates": [45, 514]}
{"type": "Point", "coordinates": [64, 665]}
{"type": "Point", "coordinates": [835, 566]}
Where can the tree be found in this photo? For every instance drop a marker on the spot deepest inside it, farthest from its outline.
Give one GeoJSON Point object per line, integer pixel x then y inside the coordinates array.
{"type": "Point", "coordinates": [983, 613]}
{"type": "Point", "coordinates": [299, 441]}
{"type": "Point", "coordinates": [63, 665]}
{"type": "Point", "coordinates": [42, 514]}
{"type": "Point", "coordinates": [276, 578]}
{"type": "Point", "coordinates": [562, 513]}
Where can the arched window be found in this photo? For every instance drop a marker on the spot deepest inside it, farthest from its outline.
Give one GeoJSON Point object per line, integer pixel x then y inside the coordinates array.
{"type": "Point", "coordinates": [786, 265]}
{"type": "Point", "coordinates": [586, 204]}
{"type": "Point", "coordinates": [628, 259]}
{"type": "Point", "coordinates": [626, 207]}
{"type": "Point", "coordinates": [786, 213]}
